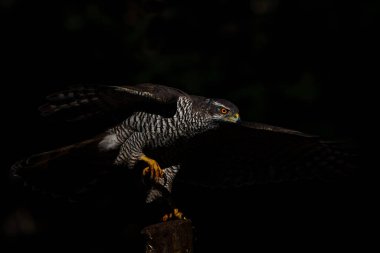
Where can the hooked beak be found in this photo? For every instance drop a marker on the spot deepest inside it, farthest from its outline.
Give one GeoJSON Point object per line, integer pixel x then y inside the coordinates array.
{"type": "Point", "coordinates": [234, 118]}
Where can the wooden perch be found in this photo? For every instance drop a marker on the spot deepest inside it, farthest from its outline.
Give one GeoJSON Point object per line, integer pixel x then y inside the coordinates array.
{"type": "Point", "coordinates": [169, 237]}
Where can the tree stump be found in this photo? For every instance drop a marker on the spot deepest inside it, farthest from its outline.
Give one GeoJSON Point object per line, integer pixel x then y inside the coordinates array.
{"type": "Point", "coordinates": [169, 237]}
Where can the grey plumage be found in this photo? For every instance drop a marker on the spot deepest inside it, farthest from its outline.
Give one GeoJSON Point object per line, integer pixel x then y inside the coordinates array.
{"type": "Point", "coordinates": [146, 130]}
{"type": "Point", "coordinates": [181, 132]}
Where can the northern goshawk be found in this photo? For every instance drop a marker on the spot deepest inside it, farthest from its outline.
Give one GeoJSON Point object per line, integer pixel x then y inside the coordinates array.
{"type": "Point", "coordinates": [170, 131]}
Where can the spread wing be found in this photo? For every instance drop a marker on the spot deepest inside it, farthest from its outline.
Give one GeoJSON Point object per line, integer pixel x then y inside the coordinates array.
{"type": "Point", "coordinates": [111, 102]}
{"type": "Point", "coordinates": [250, 153]}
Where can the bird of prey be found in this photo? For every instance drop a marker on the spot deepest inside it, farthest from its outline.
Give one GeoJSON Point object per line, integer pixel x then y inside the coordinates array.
{"type": "Point", "coordinates": [169, 132]}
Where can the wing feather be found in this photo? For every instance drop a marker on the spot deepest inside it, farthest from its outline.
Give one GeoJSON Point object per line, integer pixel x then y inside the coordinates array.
{"type": "Point", "coordinates": [112, 102]}
{"type": "Point", "coordinates": [250, 153]}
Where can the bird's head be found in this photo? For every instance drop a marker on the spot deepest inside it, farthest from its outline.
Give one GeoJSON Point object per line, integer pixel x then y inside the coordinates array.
{"type": "Point", "coordinates": [223, 111]}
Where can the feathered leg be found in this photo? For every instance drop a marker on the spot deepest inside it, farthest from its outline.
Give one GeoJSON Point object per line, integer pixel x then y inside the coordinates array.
{"type": "Point", "coordinates": [132, 151]}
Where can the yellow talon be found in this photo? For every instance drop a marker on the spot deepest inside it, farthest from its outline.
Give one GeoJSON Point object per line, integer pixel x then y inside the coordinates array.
{"type": "Point", "coordinates": [176, 214]}
{"type": "Point", "coordinates": [154, 168]}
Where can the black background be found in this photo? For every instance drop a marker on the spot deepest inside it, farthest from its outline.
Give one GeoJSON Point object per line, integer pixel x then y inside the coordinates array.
{"type": "Point", "coordinates": [296, 64]}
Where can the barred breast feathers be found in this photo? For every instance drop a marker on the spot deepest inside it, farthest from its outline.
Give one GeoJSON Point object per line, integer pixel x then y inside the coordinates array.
{"type": "Point", "coordinates": [159, 131]}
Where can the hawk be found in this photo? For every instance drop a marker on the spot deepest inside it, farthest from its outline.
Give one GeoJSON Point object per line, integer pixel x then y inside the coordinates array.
{"type": "Point", "coordinates": [170, 132]}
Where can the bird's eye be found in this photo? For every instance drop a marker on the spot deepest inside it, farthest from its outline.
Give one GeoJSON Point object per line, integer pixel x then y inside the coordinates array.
{"type": "Point", "coordinates": [224, 110]}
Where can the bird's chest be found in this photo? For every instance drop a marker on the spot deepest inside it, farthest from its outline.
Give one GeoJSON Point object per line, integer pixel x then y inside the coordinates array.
{"type": "Point", "coordinates": [164, 132]}
{"type": "Point", "coordinates": [160, 131]}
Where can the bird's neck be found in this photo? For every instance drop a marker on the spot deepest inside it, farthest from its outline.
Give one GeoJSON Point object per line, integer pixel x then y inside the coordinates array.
{"type": "Point", "coordinates": [193, 121]}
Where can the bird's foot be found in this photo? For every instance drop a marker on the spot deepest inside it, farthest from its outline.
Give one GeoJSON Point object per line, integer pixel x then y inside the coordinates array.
{"type": "Point", "coordinates": [154, 169]}
{"type": "Point", "coordinates": [175, 215]}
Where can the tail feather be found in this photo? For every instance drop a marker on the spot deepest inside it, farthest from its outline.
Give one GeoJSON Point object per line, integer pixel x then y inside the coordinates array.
{"type": "Point", "coordinates": [65, 171]}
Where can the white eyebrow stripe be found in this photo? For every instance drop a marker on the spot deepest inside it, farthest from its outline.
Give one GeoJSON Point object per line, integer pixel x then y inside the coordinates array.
{"type": "Point", "coordinates": [219, 104]}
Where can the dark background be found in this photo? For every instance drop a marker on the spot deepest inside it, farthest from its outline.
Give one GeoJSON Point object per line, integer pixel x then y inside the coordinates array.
{"type": "Point", "coordinates": [296, 64]}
